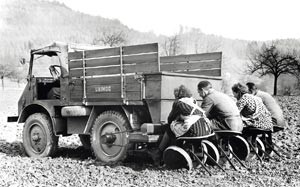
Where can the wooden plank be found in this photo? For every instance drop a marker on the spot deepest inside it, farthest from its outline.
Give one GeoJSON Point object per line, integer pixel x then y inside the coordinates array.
{"type": "Point", "coordinates": [143, 48]}
{"type": "Point", "coordinates": [76, 72]}
{"type": "Point", "coordinates": [95, 62]}
{"type": "Point", "coordinates": [105, 80]}
{"type": "Point", "coordinates": [75, 64]}
{"type": "Point", "coordinates": [143, 58]}
{"type": "Point", "coordinates": [108, 96]}
{"type": "Point", "coordinates": [190, 66]}
{"type": "Point", "coordinates": [102, 71]}
{"type": "Point", "coordinates": [192, 57]}
{"type": "Point", "coordinates": [211, 72]}
{"type": "Point", "coordinates": [114, 88]}
{"type": "Point", "coordinates": [133, 87]}
{"type": "Point", "coordinates": [102, 52]}
{"type": "Point", "coordinates": [75, 55]}
{"type": "Point", "coordinates": [141, 67]}
{"type": "Point", "coordinates": [111, 80]}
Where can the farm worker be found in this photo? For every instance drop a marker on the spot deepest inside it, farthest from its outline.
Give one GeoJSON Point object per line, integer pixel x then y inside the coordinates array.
{"type": "Point", "coordinates": [252, 108]}
{"type": "Point", "coordinates": [185, 119]}
{"type": "Point", "coordinates": [270, 103]}
{"type": "Point", "coordinates": [219, 108]}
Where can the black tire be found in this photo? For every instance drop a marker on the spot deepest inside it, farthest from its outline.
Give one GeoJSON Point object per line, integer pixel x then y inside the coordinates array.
{"type": "Point", "coordinates": [85, 140]}
{"type": "Point", "coordinates": [38, 137]}
{"type": "Point", "coordinates": [116, 124]}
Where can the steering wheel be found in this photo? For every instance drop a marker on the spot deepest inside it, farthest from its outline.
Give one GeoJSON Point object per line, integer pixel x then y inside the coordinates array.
{"type": "Point", "coordinates": [54, 72]}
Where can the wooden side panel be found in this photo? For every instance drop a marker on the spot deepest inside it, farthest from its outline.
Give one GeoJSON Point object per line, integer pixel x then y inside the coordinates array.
{"type": "Point", "coordinates": [199, 64]}
{"type": "Point", "coordinates": [191, 66]}
{"type": "Point", "coordinates": [193, 57]}
{"type": "Point", "coordinates": [105, 88]}
{"type": "Point", "coordinates": [101, 63]}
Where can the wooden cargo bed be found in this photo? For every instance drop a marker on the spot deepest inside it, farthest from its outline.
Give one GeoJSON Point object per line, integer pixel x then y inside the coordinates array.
{"type": "Point", "coordinates": [132, 74]}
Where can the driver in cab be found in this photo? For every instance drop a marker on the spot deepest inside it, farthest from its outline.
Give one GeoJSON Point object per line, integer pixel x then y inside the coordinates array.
{"type": "Point", "coordinates": [54, 92]}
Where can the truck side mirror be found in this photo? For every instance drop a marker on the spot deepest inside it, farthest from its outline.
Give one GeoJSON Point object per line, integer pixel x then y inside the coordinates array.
{"type": "Point", "coordinates": [22, 61]}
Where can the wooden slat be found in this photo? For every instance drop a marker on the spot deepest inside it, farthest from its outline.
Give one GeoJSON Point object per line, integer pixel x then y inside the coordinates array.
{"type": "Point", "coordinates": [95, 71]}
{"type": "Point", "coordinates": [193, 57]}
{"type": "Point", "coordinates": [190, 66]}
{"type": "Point", "coordinates": [115, 88]}
{"type": "Point", "coordinates": [75, 64]}
{"type": "Point", "coordinates": [110, 80]}
{"type": "Point", "coordinates": [141, 67]}
{"type": "Point", "coordinates": [102, 52]}
{"type": "Point", "coordinates": [105, 80]}
{"type": "Point", "coordinates": [140, 58]}
{"type": "Point", "coordinates": [144, 48]}
{"type": "Point", "coordinates": [212, 72]}
{"type": "Point", "coordinates": [76, 72]}
{"type": "Point", "coordinates": [75, 55]}
{"type": "Point", "coordinates": [95, 62]}
{"type": "Point", "coordinates": [107, 96]}
{"type": "Point", "coordinates": [102, 71]}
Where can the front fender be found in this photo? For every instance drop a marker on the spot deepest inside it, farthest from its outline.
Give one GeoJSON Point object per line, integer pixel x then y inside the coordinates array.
{"type": "Point", "coordinates": [46, 107]}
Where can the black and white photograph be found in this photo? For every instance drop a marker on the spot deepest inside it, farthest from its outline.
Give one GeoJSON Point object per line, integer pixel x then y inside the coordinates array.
{"type": "Point", "coordinates": [139, 93]}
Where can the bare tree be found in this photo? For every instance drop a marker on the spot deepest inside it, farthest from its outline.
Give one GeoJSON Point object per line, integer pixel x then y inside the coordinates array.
{"type": "Point", "coordinates": [171, 45]}
{"type": "Point", "coordinates": [271, 61]}
{"type": "Point", "coordinates": [111, 39]}
{"type": "Point", "coordinates": [5, 71]}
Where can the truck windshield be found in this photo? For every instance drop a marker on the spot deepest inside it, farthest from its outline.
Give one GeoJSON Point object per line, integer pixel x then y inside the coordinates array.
{"type": "Point", "coordinates": [41, 65]}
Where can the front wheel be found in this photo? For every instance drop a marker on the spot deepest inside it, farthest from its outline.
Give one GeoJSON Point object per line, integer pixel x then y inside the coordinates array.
{"type": "Point", "coordinates": [109, 138]}
{"type": "Point", "coordinates": [38, 137]}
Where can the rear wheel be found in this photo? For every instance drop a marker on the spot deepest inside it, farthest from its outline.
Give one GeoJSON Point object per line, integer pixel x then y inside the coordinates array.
{"type": "Point", "coordinates": [38, 137]}
{"type": "Point", "coordinates": [109, 138]}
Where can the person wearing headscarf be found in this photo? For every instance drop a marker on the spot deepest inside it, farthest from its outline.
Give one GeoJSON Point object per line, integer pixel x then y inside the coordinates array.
{"type": "Point", "coordinates": [252, 109]}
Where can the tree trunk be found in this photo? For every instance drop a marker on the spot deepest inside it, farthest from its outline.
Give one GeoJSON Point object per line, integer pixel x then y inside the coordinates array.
{"type": "Point", "coordinates": [275, 85]}
{"type": "Point", "coordinates": [2, 80]}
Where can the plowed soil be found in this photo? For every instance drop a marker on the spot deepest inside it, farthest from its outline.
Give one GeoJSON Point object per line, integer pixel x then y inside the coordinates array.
{"type": "Point", "coordinates": [74, 166]}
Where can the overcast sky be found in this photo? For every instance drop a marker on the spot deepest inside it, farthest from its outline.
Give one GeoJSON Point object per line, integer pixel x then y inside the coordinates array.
{"type": "Point", "coordinates": [236, 19]}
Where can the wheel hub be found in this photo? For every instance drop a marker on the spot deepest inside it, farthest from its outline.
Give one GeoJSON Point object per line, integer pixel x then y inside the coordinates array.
{"type": "Point", "coordinates": [38, 138]}
{"type": "Point", "coordinates": [111, 139]}
{"type": "Point", "coordinates": [108, 138]}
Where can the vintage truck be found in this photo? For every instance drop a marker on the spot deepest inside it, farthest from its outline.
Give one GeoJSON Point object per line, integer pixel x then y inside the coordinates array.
{"type": "Point", "coordinates": [115, 99]}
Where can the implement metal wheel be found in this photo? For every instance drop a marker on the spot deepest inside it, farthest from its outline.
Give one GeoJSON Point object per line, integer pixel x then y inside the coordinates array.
{"type": "Point", "coordinates": [212, 151]}
{"type": "Point", "coordinates": [175, 158]}
{"type": "Point", "coordinates": [240, 147]}
{"type": "Point", "coordinates": [38, 137]}
{"type": "Point", "coordinates": [109, 138]}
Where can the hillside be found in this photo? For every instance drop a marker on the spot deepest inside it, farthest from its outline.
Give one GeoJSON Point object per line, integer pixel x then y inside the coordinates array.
{"type": "Point", "coordinates": [34, 23]}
